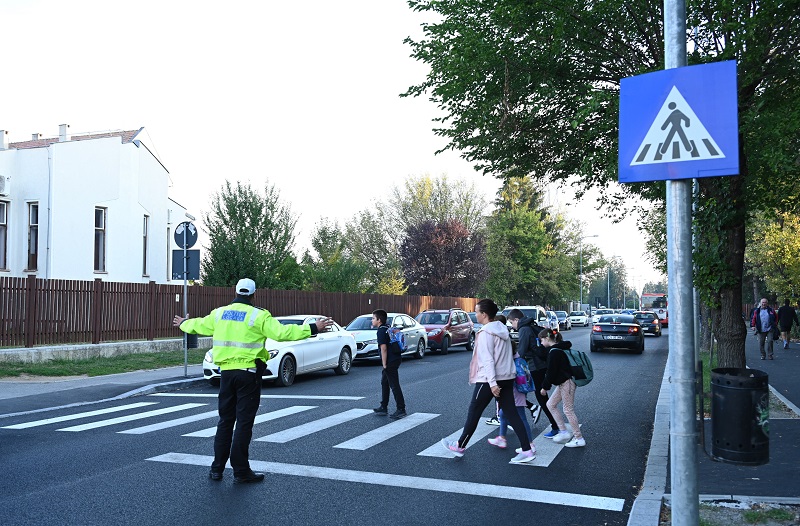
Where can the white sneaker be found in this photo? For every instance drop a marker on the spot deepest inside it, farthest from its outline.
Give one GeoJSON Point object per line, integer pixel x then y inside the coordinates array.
{"type": "Point", "coordinates": [519, 449]}
{"type": "Point", "coordinates": [523, 457]}
{"type": "Point", "coordinates": [576, 442]}
{"type": "Point", "coordinates": [562, 437]}
{"type": "Point", "coordinates": [493, 421]}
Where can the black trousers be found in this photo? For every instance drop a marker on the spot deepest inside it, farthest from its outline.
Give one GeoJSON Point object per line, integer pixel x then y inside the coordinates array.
{"type": "Point", "coordinates": [390, 379]}
{"type": "Point", "coordinates": [481, 398]}
{"type": "Point", "coordinates": [538, 380]}
{"type": "Point", "coordinates": [239, 397]}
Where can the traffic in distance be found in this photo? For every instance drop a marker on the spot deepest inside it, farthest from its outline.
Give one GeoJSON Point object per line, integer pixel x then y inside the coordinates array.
{"type": "Point", "coordinates": [439, 330]}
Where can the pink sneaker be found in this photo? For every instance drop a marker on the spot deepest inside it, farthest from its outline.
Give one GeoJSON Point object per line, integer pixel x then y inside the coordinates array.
{"type": "Point", "coordinates": [519, 449]}
{"type": "Point", "coordinates": [498, 442]}
{"type": "Point", "coordinates": [452, 446]}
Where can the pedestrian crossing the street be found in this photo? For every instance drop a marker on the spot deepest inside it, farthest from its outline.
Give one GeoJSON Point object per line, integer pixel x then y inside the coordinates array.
{"type": "Point", "coordinates": [382, 433]}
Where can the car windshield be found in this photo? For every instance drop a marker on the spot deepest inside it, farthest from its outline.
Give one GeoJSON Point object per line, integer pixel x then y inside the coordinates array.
{"type": "Point", "coordinates": [291, 322]}
{"type": "Point", "coordinates": [577, 313]}
{"type": "Point", "coordinates": [604, 311]}
{"type": "Point", "coordinates": [432, 318]}
{"type": "Point", "coordinates": [561, 314]}
{"type": "Point", "coordinates": [362, 323]}
{"type": "Point", "coordinates": [473, 317]}
{"type": "Point", "coordinates": [617, 318]}
{"type": "Point", "coordinates": [645, 316]}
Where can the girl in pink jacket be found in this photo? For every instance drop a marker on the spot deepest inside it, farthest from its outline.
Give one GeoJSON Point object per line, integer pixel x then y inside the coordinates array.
{"type": "Point", "coordinates": [492, 370]}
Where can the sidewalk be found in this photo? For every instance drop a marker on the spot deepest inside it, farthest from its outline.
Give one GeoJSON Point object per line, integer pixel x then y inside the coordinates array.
{"type": "Point", "coordinates": [773, 482]}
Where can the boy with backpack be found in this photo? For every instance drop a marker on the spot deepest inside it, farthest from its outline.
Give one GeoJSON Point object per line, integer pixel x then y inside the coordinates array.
{"type": "Point", "coordinates": [391, 360]}
{"type": "Point", "coordinates": [560, 373]}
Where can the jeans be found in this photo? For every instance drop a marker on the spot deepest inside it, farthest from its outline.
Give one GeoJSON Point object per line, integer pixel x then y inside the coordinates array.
{"type": "Point", "coordinates": [765, 337]}
{"type": "Point", "coordinates": [504, 422]}
{"type": "Point", "coordinates": [239, 398]}
{"type": "Point", "coordinates": [390, 379]}
{"type": "Point", "coordinates": [481, 398]}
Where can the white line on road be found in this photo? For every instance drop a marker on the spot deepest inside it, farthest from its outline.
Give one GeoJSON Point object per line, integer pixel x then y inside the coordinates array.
{"type": "Point", "coordinates": [170, 423]}
{"type": "Point", "coordinates": [385, 432]}
{"type": "Point", "coordinates": [266, 417]}
{"type": "Point", "coordinates": [281, 437]}
{"type": "Point", "coordinates": [437, 450]}
{"type": "Point", "coordinates": [137, 416]}
{"type": "Point", "coordinates": [277, 397]}
{"type": "Point", "coordinates": [405, 481]}
{"type": "Point", "coordinates": [76, 416]}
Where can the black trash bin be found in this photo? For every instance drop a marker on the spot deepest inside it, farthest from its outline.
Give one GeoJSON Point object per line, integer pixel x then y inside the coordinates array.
{"type": "Point", "coordinates": [740, 416]}
{"type": "Point", "coordinates": [191, 341]}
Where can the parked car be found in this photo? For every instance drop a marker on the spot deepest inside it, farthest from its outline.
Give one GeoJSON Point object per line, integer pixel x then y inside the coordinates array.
{"type": "Point", "coordinates": [529, 311]}
{"type": "Point", "coordinates": [617, 331]}
{"type": "Point", "coordinates": [552, 321]}
{"type": "Point", "coordinates": [564, 323]}
{"type": "Point", "coordinates": [600, 312]}
{"type": "Point", "coordinates": [578, 317]}
{"type": "Point", "coordinates": [331, 349]}
{"type": "Point", "coordinates": [649, 322]}
{"type": "Point", "coordinates": [365, 335]}
{"type": "Point", "coordinates": [475, 325]}
{"type": "Point", "coordinates": [446, 328]}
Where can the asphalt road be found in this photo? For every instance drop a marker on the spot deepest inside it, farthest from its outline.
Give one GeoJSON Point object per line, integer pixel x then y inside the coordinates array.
{"type": "Point", "coordinates": [95, 470]}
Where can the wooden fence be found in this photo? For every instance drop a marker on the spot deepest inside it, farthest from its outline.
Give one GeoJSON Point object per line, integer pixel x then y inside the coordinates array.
{"type": "Point", "coordinates": [45, 312]}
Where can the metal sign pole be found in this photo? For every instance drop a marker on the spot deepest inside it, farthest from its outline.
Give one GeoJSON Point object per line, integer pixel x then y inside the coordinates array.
{"type": "Point", "coordinates": [683, 440]}
{"type": "Point", "coordinates": [185, 305]}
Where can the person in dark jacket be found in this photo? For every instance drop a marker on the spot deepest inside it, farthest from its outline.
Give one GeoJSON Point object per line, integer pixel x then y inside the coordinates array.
{"type": "Point", "coordinates": [559, 373]}
{"type": "Point", "coordinates": [536, 356]}
{"type": "Point", "coordinates": [763, 321]}
{"type": "Point", "coordinates": [786, 317]}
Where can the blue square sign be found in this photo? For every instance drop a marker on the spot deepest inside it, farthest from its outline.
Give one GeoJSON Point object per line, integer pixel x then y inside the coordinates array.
{"type": "Point", "coordinates": [679, 123]}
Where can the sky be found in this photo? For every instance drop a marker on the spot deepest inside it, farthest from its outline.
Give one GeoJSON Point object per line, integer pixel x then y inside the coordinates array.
{"type": "Point", "coordinates": [301, 95]}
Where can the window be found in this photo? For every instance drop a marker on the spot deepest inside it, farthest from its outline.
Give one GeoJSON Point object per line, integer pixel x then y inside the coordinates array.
{"type": "Point", "coordinates": [3, 235]}
{"type": "Point", "coordinates": [99, 239]}
{"type": "Point", "coordinates": [33, 236]}
{"type": "Point", "coordinates": [145, 227]}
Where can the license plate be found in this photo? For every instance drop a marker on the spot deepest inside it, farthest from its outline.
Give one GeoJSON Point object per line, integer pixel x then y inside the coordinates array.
{"type": "Point", "coordinates": [613, 337]}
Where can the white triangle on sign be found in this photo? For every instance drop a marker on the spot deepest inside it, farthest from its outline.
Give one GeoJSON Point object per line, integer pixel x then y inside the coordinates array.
{"type": "Point", "coordinates": [676, 135]}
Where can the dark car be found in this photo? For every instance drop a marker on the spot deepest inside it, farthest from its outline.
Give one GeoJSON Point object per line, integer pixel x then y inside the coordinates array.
{"type": "Point", "coordinates": [649, 322]}
{"type": "Point", "coordinates": [620, 331]}
{"type": "Point", "coordinates": [564, 323]}
{"type": "Point", "coordinates": [447, 328]}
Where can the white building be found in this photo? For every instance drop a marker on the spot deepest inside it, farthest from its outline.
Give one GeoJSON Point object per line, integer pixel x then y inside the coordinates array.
{"type": "Point", "coordinates": [84, 207]}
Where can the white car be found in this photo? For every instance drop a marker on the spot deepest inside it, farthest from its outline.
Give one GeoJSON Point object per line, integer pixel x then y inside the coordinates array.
{"type": "Point", "coordinates": [600, 312]}
{"type": "Point", "coordinates": [332, 349]}
{"type": "Point", "coordinates": [365, 335]}
{"type": "Point", "coordinates": [578, 317]}
{"type": "Point", "coordinates": [552, 320]}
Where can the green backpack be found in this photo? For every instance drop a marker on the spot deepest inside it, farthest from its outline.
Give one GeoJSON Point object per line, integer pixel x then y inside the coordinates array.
{"type": "Point", "coordinates": [582, 371]}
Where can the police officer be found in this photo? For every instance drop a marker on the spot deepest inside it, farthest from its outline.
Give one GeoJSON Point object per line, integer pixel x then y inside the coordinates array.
{"type": "Point", "coordinates": [239, 331]}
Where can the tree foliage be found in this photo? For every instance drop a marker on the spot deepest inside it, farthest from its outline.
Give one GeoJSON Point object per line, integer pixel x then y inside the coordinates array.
{"type": "Point", "coordinates": [369, 241]}
{"type": "Point", "coordinates": [251, 235]}
{"type": "Point", "coordinates": [773, 253]}
{"type": "Point", "coordinates": [532, 88]}
{"type": "Point", "coordinates": [332, 267]}
{"type": "Point", "coordinates": [443, 259]}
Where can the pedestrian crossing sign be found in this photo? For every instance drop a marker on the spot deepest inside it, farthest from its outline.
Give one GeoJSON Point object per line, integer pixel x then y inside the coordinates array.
{"type": "Point", "coordinates": [679, 124]}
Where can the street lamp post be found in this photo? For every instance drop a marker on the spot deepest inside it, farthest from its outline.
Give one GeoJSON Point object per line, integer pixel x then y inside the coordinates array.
{"type": "Point", "coordinates": [581, 265]}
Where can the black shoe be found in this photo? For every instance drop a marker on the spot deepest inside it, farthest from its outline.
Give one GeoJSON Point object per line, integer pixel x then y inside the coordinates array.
{"type": "Point", "coordinates": [536, 413]}
{"type": "Point", "coordinates": [250, 477]}
{"type": "Point", "coordinates": [381, 411]}
{"type": "Point", "coordinates": [213, 475]}
{"type": "Point", "coordinates": [400, 413]}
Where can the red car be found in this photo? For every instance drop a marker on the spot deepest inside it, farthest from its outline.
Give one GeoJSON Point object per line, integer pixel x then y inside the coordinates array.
{"type": "Point", "coordinates": [447, 327]}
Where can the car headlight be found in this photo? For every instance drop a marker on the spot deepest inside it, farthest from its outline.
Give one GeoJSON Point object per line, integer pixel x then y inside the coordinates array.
{"type": "Point", "coordinates": [374, 341]}
{"type": "Point", "coordinates": [434, 332]}
{"type": "Point", "coordinates": [273, 354]}
{"type": "Point", "coordinates": [209, 357]}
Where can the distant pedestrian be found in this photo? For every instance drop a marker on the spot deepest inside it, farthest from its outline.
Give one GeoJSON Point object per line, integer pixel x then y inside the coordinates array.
{"type": "Point", "coordinates": [786, 317]}
{"type": "Point", "coordinates": [764, 321]}
{"type": "Point", "coordinates": [493, 373]}
{"type": "Point", "coordinates": [520, 402]}
{"type": "Point", "coordinates": [390, 374]}
{"type": "Point", "coordinates": [559, 373]}
{"type": "Point", "coordinates": [239, 331]}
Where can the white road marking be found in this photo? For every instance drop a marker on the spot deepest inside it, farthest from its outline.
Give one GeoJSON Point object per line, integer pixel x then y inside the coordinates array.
{"type": "Point", "coordinates": [76, 416]}
{"type": "Point", "coordinates": [276, 397]}
{"type": "Point", "coordinates": [437, 450]}
{"type": "Point", "coordinates": [385, 432]}
{"type": "Point", "coordinates": [137, 416]}
{"type": "Point", "coordinates": [266, 417]}
{"type": "Point", "coordinates": [170, 423]}
{"type": "Point", "coordinates": [405, 481]}
{"type": "Point", "coordinates": [281, 437]}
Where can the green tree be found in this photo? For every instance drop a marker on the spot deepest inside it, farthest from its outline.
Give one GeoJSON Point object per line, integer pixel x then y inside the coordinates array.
{"type": "Point", "coordinates": [533, 88]}
{"type": "Point", "coordinates": [773, 253]}
{"type": "Point", "coordinates": [331, 267]}
{"type": "Point", "coordinates": [369, 241]}
{"type": "Point", "coordinates": [251, 235]}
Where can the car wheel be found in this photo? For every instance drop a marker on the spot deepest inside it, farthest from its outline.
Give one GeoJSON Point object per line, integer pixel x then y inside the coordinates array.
{"type": "Point", "coordinates": [445, 345]}
{"type": "Point", "coordinates": [658, 333]}
{"type": "Point", "coordinates": [471, 342]}
{"type": "Point", "coordinates": [592, 346]}
{"type": "Point", "coordinates": [420, 349]}
{"type": "Point", "coordinates": [286, 371]}
{"type": "Point", "coordinates": [345, 361]}
{"type": "Point", "coordinates": [640, 349]}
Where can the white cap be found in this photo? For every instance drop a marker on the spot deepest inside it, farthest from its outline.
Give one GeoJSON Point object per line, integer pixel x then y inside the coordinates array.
{"type": "Point", "coordinates": [246, 287]}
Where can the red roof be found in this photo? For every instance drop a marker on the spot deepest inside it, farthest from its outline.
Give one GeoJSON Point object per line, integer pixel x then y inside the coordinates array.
{"type": "Point", "coordinates": [127, 136]}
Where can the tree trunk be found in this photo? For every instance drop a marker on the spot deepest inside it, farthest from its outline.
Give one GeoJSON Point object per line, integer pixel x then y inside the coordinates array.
{"type": "Point", "coordinates": [705, 328]}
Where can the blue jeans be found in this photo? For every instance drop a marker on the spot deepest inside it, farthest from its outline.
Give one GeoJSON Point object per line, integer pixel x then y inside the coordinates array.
{"type": "Point", "coordinates": [522, 416]}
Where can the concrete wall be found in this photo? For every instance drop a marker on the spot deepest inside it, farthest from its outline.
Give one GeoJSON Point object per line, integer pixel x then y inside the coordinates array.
{"type": "Point", "coordinates": [78, 352]}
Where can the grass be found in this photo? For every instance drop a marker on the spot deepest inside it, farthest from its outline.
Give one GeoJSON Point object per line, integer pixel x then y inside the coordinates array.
{"type": "Point", "coordinates": [762, 516]}
{"type": "Point", "coordinates": [101, 365]}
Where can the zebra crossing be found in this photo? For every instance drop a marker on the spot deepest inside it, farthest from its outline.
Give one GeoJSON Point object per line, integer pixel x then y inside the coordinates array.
{"type": "Point", "coordinates": [113, 416]}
